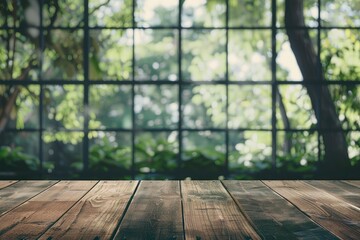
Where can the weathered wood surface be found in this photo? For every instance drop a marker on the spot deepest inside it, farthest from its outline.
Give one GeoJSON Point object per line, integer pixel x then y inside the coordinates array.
{"type": "Point", "coordinates": [273, 216]}
{"type": "Point", "coordinates": [343, 190]}
{"type": "Point", "coordinates": [32, 218]}
{"type": "Point", "coordinates": [355, 183]}
{"type": "Point", "coordinates": [199, 210]}
{"type": "Point", "coordinates": [155, 212]}
{"type": "Point", "coordinates": [4, 184]}
{"type": "Point", "coordinates": [336, 215]}
{"type": "Point", "coordinates": [96, 215]}
{"type": "Point", "coordinates": [211, 213]}
{"type": "Point", "coordinates": [20, 192]}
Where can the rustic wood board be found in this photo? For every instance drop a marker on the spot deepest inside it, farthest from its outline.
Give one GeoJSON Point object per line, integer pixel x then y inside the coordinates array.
{"type": "Point", "coordinates": [211, 213]}
{"type": "Point", "coordinates": [32, 218]}
{"type": "Point", "coordinates": [154, 213]}
{"type": "Point", "coordinates": [334, 214]}
{"type": "Point", "coordinates": [4, 184]}
{"type": "Point", "coordinates": [272, 215]}
{"type": "Point", "coordinates": [96, 215]}
{"type": "Point", "coordinates": [19, 192]}
{"type": "Point", "coordinates": [355, 183]}
{"type": "Point", "coordinates": [346, 192]}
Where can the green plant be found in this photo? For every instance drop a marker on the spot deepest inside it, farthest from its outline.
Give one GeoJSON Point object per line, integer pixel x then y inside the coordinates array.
{"type": "Point", "coordinates": [204, 163]}
{"type": "Point", "coordinates": [14, 159]}
{"type": "Point", "coordinates": [107, 161]}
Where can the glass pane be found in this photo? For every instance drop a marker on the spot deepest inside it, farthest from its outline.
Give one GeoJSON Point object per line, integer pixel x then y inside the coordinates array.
{"type": "Point", "coordinates": [110, 54]}
{"type": "Point", "coordinates": [352, 145]}
{"type": "Point", "coordinates": [250, 13]}
{"type": "Point", "coordinates": [204, 106]}
{"type": "Point", "coordinates": [203, 61]}
{"type": "Point", "coordinates": [64, 13]}
{"type": "Point", "coordinates": [156, 55]}
{"type": "Point", "coordinates": [250, 106]}
{"type": "Point", "coordinates": [22, 104]}
{"type": "Point", "coordinates": [340, 13]}
{"type": "Point", "coordinates": [27, 13]}
{"type": "Point", "coordinates": [297, 154]}
{"type": "Point", "coordinates": [347, 104]}
{"type": "Point", "coordinates": [109, 155]}
{"type": "Point", "coordinates": [63, 55]}
{"type": "Point", "coordinates": [287, 67]}
{"type": "Point", "coordinates": [19, 55]}
{"type": "Point", "coordinates": [249, 55]}
{"type": "Point", "coordinates": [63, 107]}
{"type": "Point", "coordinates": [205, 13]}
{"type": "Point", "coordinates": [340, 54]}
{"type": "Point", "coordinates": [156, 152]}
{"type": "Point", "coordinates": [294, 108]}
{"type": "Point", "coordinates": [156, 106]}
{"type": "Point", "coordinates": [110, 13]}
{"type": "Point", "coordinates": [110, 106]}
{"type": "Point", "coordinates": [157, 13]}
{"type": "Point", "coordinates": [353, 140]}
{"type": "Point", "coordinates": [310, 10]}
{"type": "Point", "coordinates": [249, 151]}
{"type": "Point", "coordinates": [19, 154]}
{"type": "Point", "coordinates": [63, 154]}
{"type": "Point", "coordinates": [203, 155]}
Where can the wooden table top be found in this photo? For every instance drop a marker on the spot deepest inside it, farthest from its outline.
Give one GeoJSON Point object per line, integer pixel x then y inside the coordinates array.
{"type": "Point", "coordinates": [198, 210]}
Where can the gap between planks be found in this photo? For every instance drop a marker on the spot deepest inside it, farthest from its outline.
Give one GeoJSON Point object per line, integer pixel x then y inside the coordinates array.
{"type": "Point", "coordinates": [35, 216]}
{"type": "Point", "coordinates": [272, 215]}
{"type": "Point", "coordinates": [332, 213]}
{"type": "Point", "coordinates": [96, 214]}
{"type": "Point", "coordinates": [4, 183]}
{"type": "Point", "coordinates": [26, 194]}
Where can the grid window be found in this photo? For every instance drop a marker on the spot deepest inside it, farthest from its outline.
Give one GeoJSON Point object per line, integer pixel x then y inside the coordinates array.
{"type": "Point", "coordinates": [175, 89]}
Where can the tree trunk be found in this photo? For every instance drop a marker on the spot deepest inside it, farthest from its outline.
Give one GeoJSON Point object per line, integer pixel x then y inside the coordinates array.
{"type": "Point", "coordinates": [287, 139]}
{"type": "Point", "coordinates": [336, 155]}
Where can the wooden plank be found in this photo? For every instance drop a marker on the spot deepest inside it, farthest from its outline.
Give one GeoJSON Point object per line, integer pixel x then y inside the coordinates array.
{"type": "Point", "coordinates": [19, 192]}
{"type": "Point", "coordinates": [96, 215]}
{"type": "Point", "coordinates": [343, 190]}
{"type": "Point", "coordinates": [154, 213]}
{"type": "Point", "coordinates": [337, 216]}
{"type": "Point", "coordinates": [273, 216]}
{"type": "Point", "coordinates": [32, 218]}
{"type": "Point", "coordinates": [4, 184]}
{"type": "Point", "coordinates": [211, 213]}
{"type": "Point", "coordinates": [355, 183]}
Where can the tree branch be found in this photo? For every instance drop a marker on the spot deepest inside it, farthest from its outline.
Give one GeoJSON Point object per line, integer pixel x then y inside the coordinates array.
{"type": "Point", "coordinates": [10, 103]}
{"type": "Point", "coordinates": [287, 140]}
{"type": "Point", "coordinates": [99, 6]}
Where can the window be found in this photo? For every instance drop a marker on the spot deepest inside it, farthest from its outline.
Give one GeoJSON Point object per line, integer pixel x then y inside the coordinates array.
{"type": "Point", "coordinates": [172, 89]}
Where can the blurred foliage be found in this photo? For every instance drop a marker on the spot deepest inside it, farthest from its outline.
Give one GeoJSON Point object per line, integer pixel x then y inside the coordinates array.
{"type": "Point", "coordinates": [107, 161]}
{"type": "Point", "coordinates": [203, 163]}
{"type": "Point", "coordinates": [155, 154]}
{"type": "Point", "coordinates": [155, 106]}
{"type": "Point", "coordinates": [15, 160]}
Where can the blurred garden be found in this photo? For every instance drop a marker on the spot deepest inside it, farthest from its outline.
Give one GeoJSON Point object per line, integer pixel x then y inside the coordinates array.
{"type": "Point", "coordinates": [201, 89]}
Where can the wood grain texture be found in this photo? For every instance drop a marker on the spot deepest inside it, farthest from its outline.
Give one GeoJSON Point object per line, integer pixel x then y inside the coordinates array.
{"type": "Point", "coordinates": [4, 183]}
{"type": "Point", "coordinates": [211, 213]}
{"type": "Point", "coordinates": [19, 192]}
{"type": "Point", "coordinates": [154, 213]}
{"type": "Point", "coordinates": [343, 190]}
{"type": "Point", "coordinates": [272, 215]}
{"type": "Point", "coordinates": [355, 183]}
{"type": "Point", "coordinates": [32, 218]}
{"type": "Point", "coordinates": [96, 215]}
{"type": "Point", "coordinates": [334, 214]}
